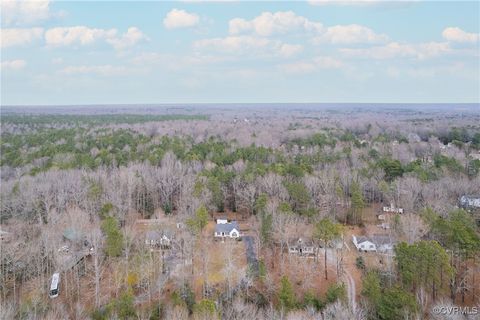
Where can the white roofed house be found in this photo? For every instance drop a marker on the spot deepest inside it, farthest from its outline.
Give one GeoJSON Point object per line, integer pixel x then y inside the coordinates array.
{"type": "Point", "coordinates": [225, 229]}
{"type": "Point", "coordinates": [392, 209]}
{"type": "Point", "coordinates": [364, 243]}
{"type": "Point", "coordinates": [470, 202]}
{"type": "Point", "coordinates": [377, 242]}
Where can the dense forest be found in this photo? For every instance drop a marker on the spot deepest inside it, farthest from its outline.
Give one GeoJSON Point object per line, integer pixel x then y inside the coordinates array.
{"type": "Point", "coordinates": [93, 184]}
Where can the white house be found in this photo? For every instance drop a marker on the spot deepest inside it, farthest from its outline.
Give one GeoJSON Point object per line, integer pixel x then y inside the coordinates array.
{"type": "Point", "coordinates": [470, 202]}
{"type": "Point", "coordinates": [377, 242]}
{"type": "Point", "coordinates": [392, 209]}
{"type": "Point", "coordinates": [364, 244]}
{"type": "Point", "coordinates": [301, 247]}
{"type": "Point", "coordinates": [225, 229]}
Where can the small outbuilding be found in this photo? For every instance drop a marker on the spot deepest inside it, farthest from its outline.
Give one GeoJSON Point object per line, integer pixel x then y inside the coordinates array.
{"type": "Point", "coordinates": [5, 236]}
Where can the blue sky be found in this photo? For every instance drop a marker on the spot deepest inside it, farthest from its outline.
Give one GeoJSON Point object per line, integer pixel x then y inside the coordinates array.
{"type": "Point", "coordinates": [195, 51]}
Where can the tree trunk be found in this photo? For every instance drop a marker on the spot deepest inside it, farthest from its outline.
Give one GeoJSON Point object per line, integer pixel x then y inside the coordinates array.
{"type": "Point", "coordinates": [97, 280]}
{"type": "Point", "coordinates": [326, 273]}
{"type": "Point", "coordinates": [473, 278]}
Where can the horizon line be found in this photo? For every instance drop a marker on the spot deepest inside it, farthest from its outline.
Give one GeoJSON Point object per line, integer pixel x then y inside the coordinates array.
{"type": "Point", "coordinates": [228, 103]}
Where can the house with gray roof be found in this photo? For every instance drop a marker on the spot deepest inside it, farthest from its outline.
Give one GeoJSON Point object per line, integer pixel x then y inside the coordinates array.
{"type": "Point", "coordinates": [301, 247]}
{"type": "Point", "coordinates": [73, 235]}
{"type": "Point", "coordinates": [384, 243]}
{"type": "Point", "coordinates": [158, 239]}
{"type": "Point", "coordinates": [226, 229]}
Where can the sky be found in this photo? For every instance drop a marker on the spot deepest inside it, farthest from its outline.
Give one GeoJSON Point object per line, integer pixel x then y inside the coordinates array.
{"type": "Point", "coordinates": [194, 51]}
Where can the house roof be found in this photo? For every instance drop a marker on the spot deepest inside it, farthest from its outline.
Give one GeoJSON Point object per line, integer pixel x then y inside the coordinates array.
{"type": "Point", "coordinates": [361, 239]}
{"type": "Point", "coordinates": [300, 242]}
{"type": "Point", "coordinates": [377, 239]}
{"type": "Point", "coordinates": [226, 227]}
{"type": "Point", "coordinates": [381, 239]}
{"type": "Point", "coordinates": [466, 196]}
{"type": "Point", "coordinates": [470, 201]}
{"type": "Point", "coordinates": [156, 235]}
{"type": "Point", "coordinates": [153, 235]}
{"type": "Point", "coordinates": [72, 234]}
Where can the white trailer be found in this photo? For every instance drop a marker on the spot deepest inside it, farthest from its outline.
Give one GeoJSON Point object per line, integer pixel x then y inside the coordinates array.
{"type": "Point", "coordinates": [54, 286]}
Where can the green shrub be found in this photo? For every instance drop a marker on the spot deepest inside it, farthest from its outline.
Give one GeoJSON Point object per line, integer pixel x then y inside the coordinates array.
{"type": "Point", "coordinates": [286, 295]}
{"type": "Point", "coordinates": [336, 292]}
{"type": "Point", "coordinates": [360, 263]}
{"type": "Point", "coordinates": [114, 237]}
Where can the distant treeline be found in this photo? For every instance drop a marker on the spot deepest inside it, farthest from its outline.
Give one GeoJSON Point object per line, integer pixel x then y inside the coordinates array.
{"type": "Point", "coordinates": [94, 119]}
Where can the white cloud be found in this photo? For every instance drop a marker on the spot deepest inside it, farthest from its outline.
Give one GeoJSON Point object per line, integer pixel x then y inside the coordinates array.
{"type": "Point", "coordinates": [233, 43]}
{"type": "Point", "coordinates": [239, 25]}
{"type": "Point", "coordinates": [350, 34]}
{"type": "Point", "coordinates": [309, 66]}
{"type": "Point", "coordinates": [327, 62]}
{"type": "Point", "coordinates": [283, 22]}
{"type": "Point", "coordinates": [249, 45]}
{"type": "Point", "coordinates": [82, 35]}
{"type": "Point", "coordinates": [13, 64]}
{"type": "Point", "coordinates": [180, 19]}
{"type": "Point", "coordinates": [298, 67]}
{"type": "Point", "coordinates": [399, 50]}
{"type": "Point", "coordinates": [17, 37]}
{"type": "Point", "coordinates": [101, 70]}
{"type": "Point", "coordinates": [269, 23]}
{"type": "Point", "coordinates": [128, 39]}
{"type": "Point", "coordinates": [65, 36]}
{"type": "Point", "coordinates": [289, 50]}
{"type": "Point", "coordinates": [19, 12]}
{"type": "Point", "coordinates": [455, 34]}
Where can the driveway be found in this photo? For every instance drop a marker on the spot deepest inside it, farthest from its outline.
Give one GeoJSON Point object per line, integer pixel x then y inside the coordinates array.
{"type": "Point", "coordinates": [251, 255]}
